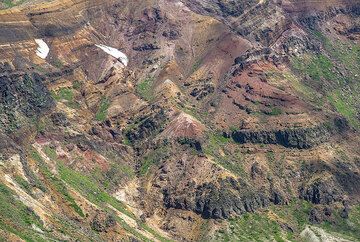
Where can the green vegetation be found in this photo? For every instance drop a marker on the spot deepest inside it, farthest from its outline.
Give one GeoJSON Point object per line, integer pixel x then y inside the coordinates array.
{"type": "Point", "coordinates": [76, 84]}
{"type": "Point", "coordinates": [335, 75]}
{"type": "Point", "coordinates": [276, 163]}
{"type": "Point", "coordinates": [318, 67]}
{"type": "Point", "coordinates": [275, 111]}
{"type": "Point", "coordinates": [57, 63]}
{"type": "Point", "coordinates": [151, 159]}
{"type": "Point", "coordinates": [346, 105]}
{"type": "Point", "coordinates": [11, 3]}
{"type": "Point", "coordinates": [95, 193]}
{"type": "Point", "coordinates": [349, 227]}
{"type": "Point", "coordinates": [92, 186]}
{"type": "Point", "coordinates": [57, 184]}
{"type": "Point", "coordinates": [344, 53]}
{"type": "Point", "coordinates": [268, 225]}
{"type": "Point", "coordinates": [144, 88]}
{"type": "Point", "coordinates": [112, 178]}
{"type": "Point", "coordinates": [23, 184]}
{"type": "Point", "coordinates": [306, 91]}
{"type": "Point", "coordinates": [63, 94]}
{"type": "Point", "coordinates": [216, 148]}
{"type": "Point", "coordinates": [102, 110]}
{"type": "Point", "coordinates": [252, 227]}
{"type": "Point", "coordinates": [90, 189]}
{"type": "Point", "coordinates": [16, 218]}
{"type": "Point", "coordinates": [131, 230]}
{"type": "Point", "coordinates": [67, 96]}
{"type": "Point", "coordinates": [50, 152]}
{"type": "Point", "coordinates": [196, 66]}
{"type": "Point", "coordinates": [40, 124]}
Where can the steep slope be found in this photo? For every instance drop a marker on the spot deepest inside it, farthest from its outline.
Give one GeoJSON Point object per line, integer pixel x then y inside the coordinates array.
{"type": "Point", "coordinates": [169, 120]}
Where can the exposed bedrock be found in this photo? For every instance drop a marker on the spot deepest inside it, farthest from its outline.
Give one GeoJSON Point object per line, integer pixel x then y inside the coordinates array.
{"type": "Point", "coordinates": [321, 192]}
{"type": "Point", "coordinates": [312, 20]}
{"type": "Point", "coordinates": [344, 182]}
{"type": "Point", "coordinates": [301, 138]}
{"type": "Point", "coordinates": [220, 200]}
{"type": "Point", "coordinates": [225, 8]}
{"type": "Point", "coordinates": [23, 96]}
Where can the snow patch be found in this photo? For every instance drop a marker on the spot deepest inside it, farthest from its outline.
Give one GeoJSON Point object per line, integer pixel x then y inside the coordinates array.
{"type": "Point", "coordinates": [43, 49]}
{"type": "Point", "coordinates": [115, 53]}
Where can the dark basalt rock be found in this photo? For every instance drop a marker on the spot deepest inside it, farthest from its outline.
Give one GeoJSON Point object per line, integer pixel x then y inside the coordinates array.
{"type": "Point", "coordinates": [65, 71]}
{"type": "Point", "coordinates": [311, 21]}
{"type": "Point", "coordinates": [171, 34]}
{"type": "Point", "coordinates": [253, 56]}
{"type": "Point", "coordinates": [103, 222]}
{"type": "Point", "coordinates": [192, 143]}
{"type": "Point", "coordinates": [218, 201]}
{"type": "Point", "coordinates": [343, 182]}
{"type": "Point", "coordinates": [6, 67]}
{"type": "Point", "coordinates": [146, 47]}
{"type": "Point", "coordinates": [147, 126]}
{"type": "Point", "coordinates": [318, 215]}
{"type": "Point", "coordinates": [22, 94]}
{"type": "Point", "coordinates": [59, 119]}
{"type": "Point", "coordinates": [277, 198]}
{"type": "Point", "coordinates": [234, 8]}
{"type": "Point", "coordinates": [345, 211]}
{"type": "Point", "coordinates": [347, 178]}
{"type": "Point", "coordinates": [301, 45]}
{"type": "Point", "coordinates": [256, 170]}
{"type": "Point", "coordinates": [321, 192]}
{"type": "Point", "coordinates": [301, 138]}
{"type": "Point", "coordinates": [224, 8]}
{"type": "Point", "coordinates": [202, 91]}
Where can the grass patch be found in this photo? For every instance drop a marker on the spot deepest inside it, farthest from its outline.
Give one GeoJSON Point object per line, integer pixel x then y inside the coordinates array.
{"type": "Point", "coordinates": [318, 68]}
{"type": "Point", "coordinates": [345, 104]}
{"type": "Point", "coordinates": [215, 147]}
{"type": "Point", "coordinates": [275, 111]}
{"type": "Point", "coordinates": [11, 3]}
{"type": "Point", "coordinates": [266, 225]}
{"type": "Point", "coordinates": [67, 96]}
{"type": "Point", "coordinates": [56, 183]}
{"type": "Point", "coordinates": [102, 110]}
{"type": "Point", "coordinates": [16, 218]}
{"type": "Point", "coordinates": [144, 88]}
{"type": "Point", "coordinates": [252, 227]}
{"type": "Point", "coordinates": [77, 85]}
{"type": "Point", "coordinates": [90, 189]}
{"type": "Point", "coordinates": [196, 66]}
{"type": "Point", "coordinates": [113, 177]}
{"type": "Point", "coordinates": [63, 94]}
{"type": "Point", "coordinates": [335, 75]}
{"type": "Point", "coordinates": [349, 227]}
{"type": "Point", "coordinates": [152, 159]}
{"type": "Point", "coordinates": [344, 53]}
{"type": "Point", "coordinates": [307, 92]}
{"type": "Point", "coordinates": [57, 63]}
{"type": "Point", "coordinates": [23, 184]}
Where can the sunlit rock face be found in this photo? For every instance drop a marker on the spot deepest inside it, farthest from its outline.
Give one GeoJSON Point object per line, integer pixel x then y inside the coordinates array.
{"type": "Point", "coordinates": [168, 120]}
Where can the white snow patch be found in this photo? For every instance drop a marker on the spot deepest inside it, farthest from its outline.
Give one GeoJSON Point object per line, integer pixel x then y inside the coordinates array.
{"type": "Point", "coordinates": [43, 49]}
{"type": "Point", "coordinates": [115, 53]}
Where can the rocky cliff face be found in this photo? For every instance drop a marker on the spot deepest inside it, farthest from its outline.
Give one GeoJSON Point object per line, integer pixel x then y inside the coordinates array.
{"type": "Point", "coordinates": [179, 120]}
